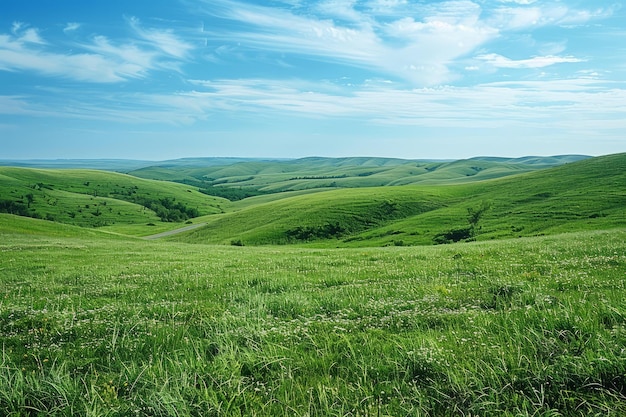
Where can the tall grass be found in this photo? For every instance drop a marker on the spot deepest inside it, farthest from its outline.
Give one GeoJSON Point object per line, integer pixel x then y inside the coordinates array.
{"type": "Point", "coordinates": [113, 328]}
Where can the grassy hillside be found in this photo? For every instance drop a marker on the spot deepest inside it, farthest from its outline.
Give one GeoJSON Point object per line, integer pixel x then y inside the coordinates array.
{"type": "Point", "coordinates": [12, 226]}
{"type": "Point", "coordinates": [588, 194]}
{"type": "Point", "coordinates": [525, 327]}
{"type": "Point", "coordinates": [307, 173]}
{"type": "Point", "coordinates": [99, 198]}
{"type": "Point", "coordinates": [330, 214]}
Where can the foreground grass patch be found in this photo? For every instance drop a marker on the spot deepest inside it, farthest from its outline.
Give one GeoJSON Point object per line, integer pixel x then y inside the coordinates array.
{"type": "Point", "coordinates": [525, 327]}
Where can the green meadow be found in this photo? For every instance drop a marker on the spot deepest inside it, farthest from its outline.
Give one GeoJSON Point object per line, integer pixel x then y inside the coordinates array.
{"type": "Point", "coordinates": [91, 198]}
{"type": "Point", "coordinates": [315, 301]}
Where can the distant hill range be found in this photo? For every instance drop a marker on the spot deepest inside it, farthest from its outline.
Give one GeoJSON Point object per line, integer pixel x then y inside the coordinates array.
{"type": "Point", "coordinates": [118, 165]}
{"type": "Point", "coordinates": [327, 201]}
{"type": "Point", "coordinates": [270, 176]}
{"type": "Point", "coordinates": [127, 165]}
{"type": "Point", "coordinates": [237, 178]}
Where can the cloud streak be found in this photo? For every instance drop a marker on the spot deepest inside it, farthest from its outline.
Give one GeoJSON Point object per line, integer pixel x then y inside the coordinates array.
{"type": "Point", "coordinates": [163, 40]}
{"type": "Point", "coordinates": [568, 104]}
{"type": "Point", "coordinates": [492, 104]}
{"type": "Point", "coordinates": [71, 27]}
{"type": "Point", "coordinates": [535, 62]}
{"type": "Point", "coordinates": [100, 60]}
{"type": "Point", "coordinates": [416, 44]}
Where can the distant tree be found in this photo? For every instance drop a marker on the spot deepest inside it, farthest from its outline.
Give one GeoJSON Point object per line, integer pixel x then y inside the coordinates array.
{"type": "Point", "coordinates": [325, 231]}
{"type": "Point", "coordinates": [464, 233]}
{"type": "Point", "coordinates": [475, 214]}
{"type": "Point", "coordinates": [29, 198]}
{"type": "Point", "coordinates": [12, 207]}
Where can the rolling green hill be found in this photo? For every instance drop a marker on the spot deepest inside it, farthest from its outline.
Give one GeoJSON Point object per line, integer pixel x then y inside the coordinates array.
{"type": "Point", "coordinates": [589, 194]}
{"type": "Point", "coordinates": [423, 208]}
{"type": "Point", "coordinates": [99, 198]}
{"type": "Point", "coordinates": [317, 172]}
{"type": "Point", "coordinates": [328, 214]}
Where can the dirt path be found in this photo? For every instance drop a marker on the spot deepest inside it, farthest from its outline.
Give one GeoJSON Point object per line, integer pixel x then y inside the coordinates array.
{"type": "Point", "coordinates": [175, 231]}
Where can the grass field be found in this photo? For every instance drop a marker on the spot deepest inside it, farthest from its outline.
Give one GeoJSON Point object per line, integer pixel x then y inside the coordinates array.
{"type": "Point", "coordinates": [339, 304]}
{"type": "Point", "coordinates": [103, 326]}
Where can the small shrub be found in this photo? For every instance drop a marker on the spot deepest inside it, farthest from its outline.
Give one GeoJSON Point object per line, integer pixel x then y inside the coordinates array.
{"type": "Point", "coordinates": [453, 235]}
{"type": "Point", "coordinates": [306, 233]}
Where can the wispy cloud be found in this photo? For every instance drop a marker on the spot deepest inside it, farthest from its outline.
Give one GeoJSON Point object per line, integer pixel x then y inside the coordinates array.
{"type": "Point", "coordinates": [418, 51]}
{"type": "Point", "coordinates": [17, 55]}
{"type": "Point", "coordinates": [26, 34]}
{"type": "Point", "coordinates": [568, 104]}
{"type": "Point", "coordinates": [13, 105]}
{"type": "Point", "coordinates": [71, 27]}
{"type": "Point", "coordinates": [535, 62]}
{"type": "Point", "coordinates": [417, 43]}
{"type": "Point", "coordinates": [492, 104]}
{"type": "Point", "coordinates": [162, 39]}
{"type": "Point", "coordinates": [518, 16]}
{"type": "Point", "coordinates": [99, 60]}
{"type": "Point", "coordinates": [518, 1]}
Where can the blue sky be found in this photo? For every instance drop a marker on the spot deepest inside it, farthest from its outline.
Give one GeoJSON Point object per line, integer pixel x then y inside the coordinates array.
{"type": "Point", "coordinates": [292, 78]}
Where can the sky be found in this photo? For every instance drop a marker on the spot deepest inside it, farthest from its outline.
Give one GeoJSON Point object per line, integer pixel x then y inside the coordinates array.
{"type": "Point", "coordinates": [414, 79]}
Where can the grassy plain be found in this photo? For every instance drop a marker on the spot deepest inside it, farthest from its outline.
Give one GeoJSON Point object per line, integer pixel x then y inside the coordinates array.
{"type": "Point", "coordinates": [108, 327]}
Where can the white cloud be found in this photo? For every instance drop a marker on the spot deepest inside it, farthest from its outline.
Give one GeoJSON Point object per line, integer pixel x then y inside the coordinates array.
{"type": "Point", "coordinates": [15, 55]}
{"type": "Point", "coordinates": [525, 2]}
{"type": "Point", "coordinates": [512, 18]}
{"type": "Point", "coordinates": [341, 9]}
{"type": "Point", "coordinates": [570, 106]}
{"type": "Point", "coordinates": [128, 55]}
{"type": "Point", "coordinates": [557, 14]}
{"type": "Point", "coordinates": [100, 60]}
{"type": "Point", "coordinates": [420, 43]}
{"type": "Point", "coordinates": [31, 36]}
{"type": "Point", "coordinates": [25, 34]}
{"type": "Point", "coordinates": [419, 51]}
{"type": "Point", "coordinates": [71, 27]}
{"type": "Point", "coordinates": [15, 28]}
{"type": "Point", "coordinates": [164, 40]}
{"type": "Point", "coordinates": [13, 105]}
{"type": "Point", "coordinates": [279, 30]}
{"type": "Point", "coordinates": [535, 62]}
